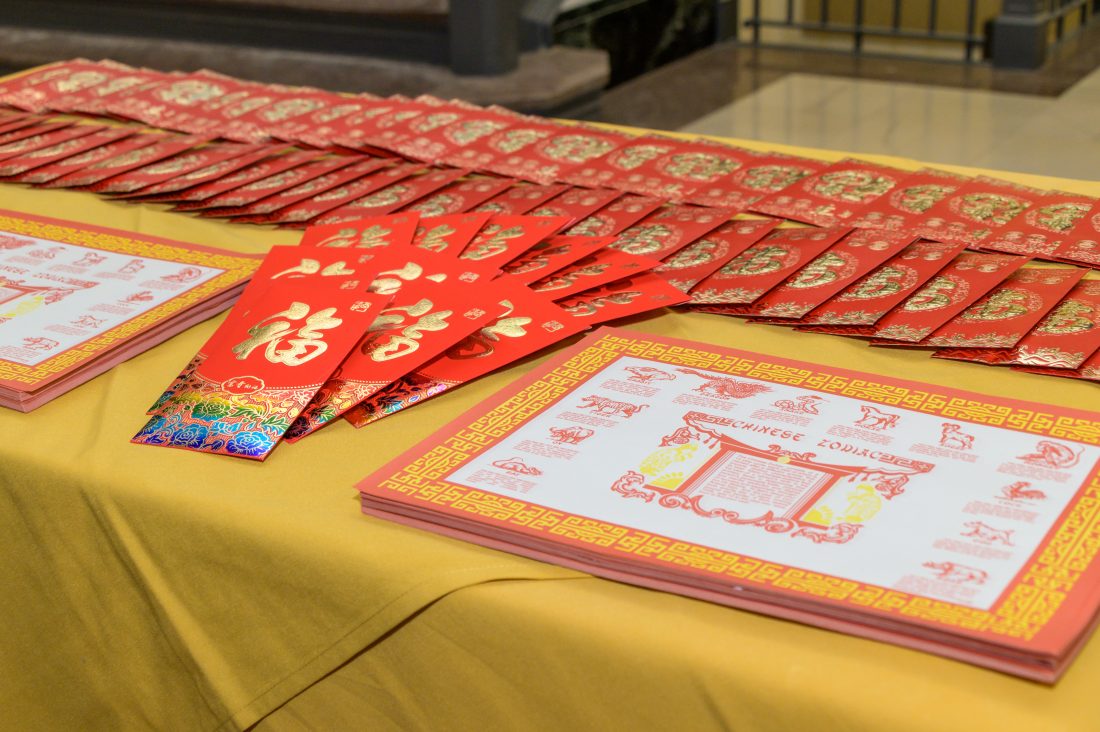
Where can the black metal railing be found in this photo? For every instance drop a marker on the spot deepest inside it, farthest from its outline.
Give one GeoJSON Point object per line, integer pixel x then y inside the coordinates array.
{"type": "Point", "coordinates": [970, 39]}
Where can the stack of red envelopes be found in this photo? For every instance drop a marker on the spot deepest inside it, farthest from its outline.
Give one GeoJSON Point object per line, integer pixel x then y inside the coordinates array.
{"type": "Point", "coordinates": [75, 300]}
{"type": "Point", "coordinates": [367, 317]}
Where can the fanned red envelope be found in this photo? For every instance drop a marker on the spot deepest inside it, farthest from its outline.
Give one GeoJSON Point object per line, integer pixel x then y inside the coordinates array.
{"type": "Point", "coordinates": [904, 206]}
{"type": "Point", "coordinates": [461, 196]}
{"type": "Point", "coordinates": [761, 175]}
{"type": "Point", "coordinates": [577, 203]}
{"type": "Point", "coordinates": [257, 171]}
{"type": "Point", "coordinates": [174, 168]}
{"type": "Point", "coordinates": [974, 210]}
{"type": "Point", "coordinates": [165, 147]}
{"type": "Point", "coordinates": [424, 319]}
{"type": "Point", "coordinates": [235, 200]}
{"type": "Point", "coordinates": [697, 261]}
{"type": "Point", "coordinates": [552, 255]}
{"type": "Point", "coordinates": [395, 196]}
{"type": "Point", "coordinates": [1082, 242]}
{"type": "Point", "coordinates": [616, 217]}
{"type": "Point", "coordinates": [261, 371]}
{"type": "Point", "coordinates": [121, 80]}
{"type": "Point", "coordinates": [623, 298]}
{"type": "Point", "coordinates": [269, 208]}
{"type": "Point", "coordinates": [958, 286]}
{"type": "Point", "coordinates": [26, 138]}
{"type": "Point", "coordinates": [506, 237]}
{"type": "Point", "coordinates": [744, 279]}
{"type": "Point", "coordinates": [542, 151]}
{"type": "Point", "coordinates": [1039, 230]}
{"type": "Point", "coordinates": [61, 151]}
{"type": "Point", "coordinates": [600, 268]}
{"type": "Point", "coordinates": [96, 155]}
{"type": "Point", "coordinates": [661, 166]}
{"type": "Point", "coordinates": [842, 264]}
{"type": "Point", "coordinates": [834, 196]}
{"type": "Point", "coordinates": [669, 229]}
{"type": "Point", "coordinates": [395, 230]}
{"type": "Point", "coordinates": [34, 91]}
{"type": "Point", "coordinates": [856, 310]}
{"type": "Point", "coordinates": [1067, 336]}
{"type": "Point", "coordinates": [448, 234]}
{"type": "Point", "coordinates": [531, 324]}
{"type": "Point", "coordinates": [298, 215]}
{"type": "Point", "coordinates": [325, 126]}
{"type": "Point", "coordinates": [444, 134]}
{"type": "Point", "coordinates": [46, 139]}
{"type": "Point", "coordinates": [13, 122]}
{"type": "Point", "coordinates": [521, 198]}
{"type": "Point", "coordinates": [1003, 317]}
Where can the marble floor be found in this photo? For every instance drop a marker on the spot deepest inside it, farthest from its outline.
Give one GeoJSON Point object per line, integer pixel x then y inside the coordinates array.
{"type": "Point", "coordinates": [1048, 135]}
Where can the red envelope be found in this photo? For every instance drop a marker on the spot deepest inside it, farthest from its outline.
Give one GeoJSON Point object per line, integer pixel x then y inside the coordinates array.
{"type": "Point", "coordinates": [519, 199]}
{"type": "Point", "coordinates": [531, 324]}
{"type": "Point", "coordinates": [424, 320]}
{"type": "Point", "coordinates": [623, 298]}
{"type": "Point", "coordinates": [298, 215]}
{"type": "Point", "coordinates": [670, 229]}
{"type": "Point", "coordinates": [461, 196]}
{"type": "Point", "coordinates": [541, 151]}
{"type": "Point", "coordinates": [172, 168]}
{"type": "Point", "coordinates": [958, 286]}
{"type": "Point", "coordinates": [764, 265]}
{"type": "Point", "coordinates": [262, 369]}
{"type": "Point", "coordinates": [597, 269]}
{"type": "Point", "coordinates": [48, 139]}
{"type": "Point", "coordinates": [760, 175]}
{"type": "Point", "coordinates": [13, 122]}
{"type": "Point", "coordinates": [444, 134]}
{"type": "Point", "coordinates": [856, 310]}
{"type": "Point", "coordinates": [165, 147]}
{"type": "Point", "coordinates": [238, 199]}
{"type": "Point", "coordinates": [662, 166]}
{"type": "Point", "coordinates": [96, 155]}
{"type": "Point", "coordinates": [61, 151]}
{"type": "Point", "coordinates": [396, 230]}
{"type": "Point", "coordinates": [1003, 316]}
{"type": "Point", "coordinates": [505, 237]}
{"type": "Point", "coordinates": [34, 91]}
{"type": "Point", "coordinates": [842, 264]}
{"type": "Point", "coordinates": [695, 262]}
{"type": "Point", "coordinates": [387, 125]}
{"type": "Point", "coordinates": [178, 103]}
{"type": "Point", "coordinates": [448, 234]}
{"type": "Point", "coordinates": [904, 206]}
{"type": "Point", "coordinates": [257, 171]}
{"type": "Point", "coordinates": [1082, 242]}
{"type": "Point", "coordinates": [15, 141]}
{"type": "Point", "coordinates": [974, 210]}
{"type": "Point", "coordinates": [323, 127]}
{"type": "Point", "coordinates": [375, 116]}
{"type": "Point", "coordinates": [577, 203]}
{"type": "Point", "coordinates": [1039, 230]}
{"type": "Point", "coordinates": [123, 81]}
{"type": "Point", "coordinates": [249, 154]}
{"type": "Point", "coordinates": [1065, 338]}
{"type": "Point", "coordinates": [395, 196]}
{"type": "Point", "coordinates": [552, 255]}
{"type": "Point", "coordinates": [267, 209]}
{"type": "Point", "coordinates": [833, 196]}
{"type": "Point", "coordinates": [616, 217]}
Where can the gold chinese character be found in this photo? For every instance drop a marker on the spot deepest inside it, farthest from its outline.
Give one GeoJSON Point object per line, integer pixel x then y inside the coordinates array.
{"type": "Point", "coordinates": [312, 266]}
{"type": "Point", "coordinates": [493, 240]}
{"type": "Point", "coordinates": [396, 346]}
{"type": "Point", "coordinates": [308, 344]}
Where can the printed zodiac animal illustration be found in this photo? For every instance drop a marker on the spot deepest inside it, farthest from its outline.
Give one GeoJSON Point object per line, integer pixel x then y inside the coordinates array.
{"type": "Point", "coordinates": [876, 419]}
{"type": "Point", "coordinates": [835, 534]}
{"type": "Point", "coordinates": [805, 404]}
{"type": "Point", "coordinates": [570, 435]}
{"type": "Point", "coordinates": [986, 534]}
{"type": "Point", "coordinates": [610, 407]}
{"type": "Point", "coordinates": [515, 465]}
{"type": "Point", "coordinates": [646, 374]}
{"type": "Point", "coordinates": [724, 387]}
{"type": "Point", "coordinates": [40, 344]}
{"type": "Point", "coordinates": [1051, 455]}
{"type": "Point", "coordinates": [1022, 491]}
{"type": "Point", "coordinates": [952, 436]}
{"type": "Point", "coordinates": [957, 573]}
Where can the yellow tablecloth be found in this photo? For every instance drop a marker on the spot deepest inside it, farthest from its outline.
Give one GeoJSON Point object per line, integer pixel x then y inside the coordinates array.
{"type": "Point", "coordinates": [144, 587]}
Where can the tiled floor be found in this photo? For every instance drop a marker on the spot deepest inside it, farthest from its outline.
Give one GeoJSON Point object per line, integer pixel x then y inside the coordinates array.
{"type": "Point", "coordinates": [1057, 136]}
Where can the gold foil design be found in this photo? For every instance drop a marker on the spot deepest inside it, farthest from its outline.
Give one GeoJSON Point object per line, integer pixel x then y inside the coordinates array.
{"type": "Point", "coordinates": [643, 239]}
{"type": "Point", "coordinates": [821, 271]}
{"type": "Point", "coordinates": [491, 242]}
{"type": "Point", "coordinates": [308, 345]}
{"type": "Point", "coordinates": [311, 266]}
{"type": "Point", "coordinates": [408, 341]}
{"type": "Point", "coordinates": [372, 236]}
